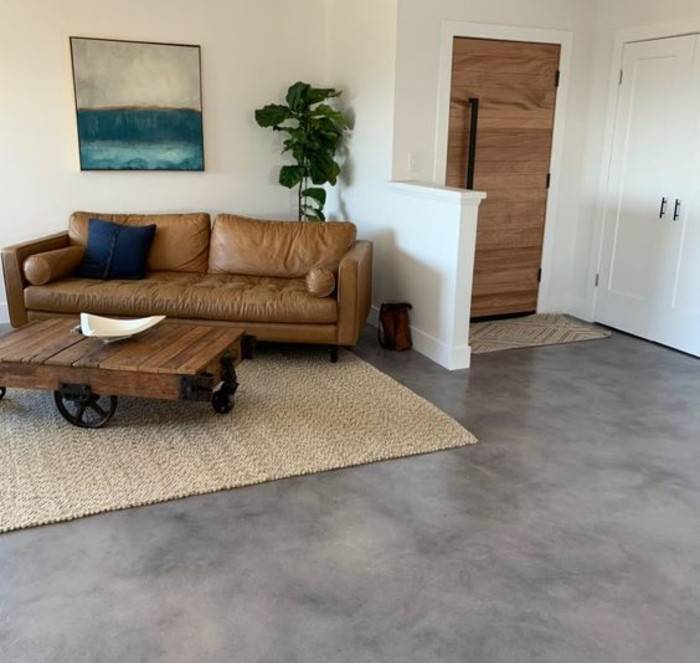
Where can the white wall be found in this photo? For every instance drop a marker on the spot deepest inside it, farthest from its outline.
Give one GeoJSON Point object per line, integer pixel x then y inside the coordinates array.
{"type": "Point", "coordinates": [252, 50]}
{"type": "Point", "coordinates": [361, 38]}
{"type": "Point", "coordinates": [361, 62]}
{"type": "Point", "coordinates": [431, 265]}
{"type": "Point", "coordinates": [611, 16]}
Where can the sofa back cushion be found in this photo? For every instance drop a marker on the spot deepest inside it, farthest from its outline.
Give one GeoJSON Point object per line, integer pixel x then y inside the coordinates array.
{"type": "Point", "coordinates": [181, 242]}
{"type": "Point", "coordinates": [290, 249]}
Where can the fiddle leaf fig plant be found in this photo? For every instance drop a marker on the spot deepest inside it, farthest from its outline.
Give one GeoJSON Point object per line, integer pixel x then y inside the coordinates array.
{"type": "Point", "coordinates": [314, 131]}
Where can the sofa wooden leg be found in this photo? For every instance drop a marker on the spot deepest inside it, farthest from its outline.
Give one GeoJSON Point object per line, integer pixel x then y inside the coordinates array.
{"type": "Point", "coordinates": [334, 353]}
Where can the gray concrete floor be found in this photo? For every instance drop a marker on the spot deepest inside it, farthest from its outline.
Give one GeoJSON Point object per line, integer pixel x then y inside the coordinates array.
{"type": "Point", "coordinates": [571, 533]}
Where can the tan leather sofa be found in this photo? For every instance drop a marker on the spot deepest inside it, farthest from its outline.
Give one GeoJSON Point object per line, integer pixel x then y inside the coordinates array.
{"type": "Point", "coordinates": [238, 271]}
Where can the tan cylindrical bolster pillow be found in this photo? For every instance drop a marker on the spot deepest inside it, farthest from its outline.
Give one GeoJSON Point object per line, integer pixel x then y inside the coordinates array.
{"type": "Point", "coordinates": [42, 268]}
{"type": "Point", "coordinates": [320, 282]}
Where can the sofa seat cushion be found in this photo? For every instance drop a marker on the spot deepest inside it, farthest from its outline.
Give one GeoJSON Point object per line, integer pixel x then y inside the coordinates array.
{"type": "Point", "coordinates": [182, 295]}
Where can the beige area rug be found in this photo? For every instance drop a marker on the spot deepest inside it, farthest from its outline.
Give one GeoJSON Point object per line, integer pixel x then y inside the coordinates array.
{"type": "Point", "coordinates": [294, 414]}
{"type": "Point", "coordinates": [529, 331]}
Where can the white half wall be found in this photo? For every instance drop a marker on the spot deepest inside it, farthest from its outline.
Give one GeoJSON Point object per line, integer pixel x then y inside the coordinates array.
{"type": "Point", "coordinates": [433, 236]}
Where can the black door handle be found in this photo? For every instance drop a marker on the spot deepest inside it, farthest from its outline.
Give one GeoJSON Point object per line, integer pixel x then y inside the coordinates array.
{"type": "Point", "coordinates": [677, 209]}
{"type": "Point", "coordinates": [471, 150]}
{"type": "Point", "coordinates": [662, 209]}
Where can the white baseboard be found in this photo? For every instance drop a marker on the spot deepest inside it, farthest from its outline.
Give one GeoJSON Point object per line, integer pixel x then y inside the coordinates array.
{"type": "Point", "coordinates": [451, 358]}
{"type": "Point", "coordinates": [373, 317]}
{"type": "Point", "coordinates": [557, 304]}
{"type": "Point", "coordinates": [579, 307]}
{"type": "Point", "coordinates": [4, 313]}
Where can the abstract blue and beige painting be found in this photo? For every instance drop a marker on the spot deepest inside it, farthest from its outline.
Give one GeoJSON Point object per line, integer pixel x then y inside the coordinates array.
{"type": "Point", "coordinates": [139, 105]}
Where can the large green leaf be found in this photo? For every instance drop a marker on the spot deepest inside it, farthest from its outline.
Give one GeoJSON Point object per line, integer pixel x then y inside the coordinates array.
{"type": "Point", "coordinates": [272, 115]}
{"type": "Point", "coordinates": [323, 168]}
{"type": "Point", "coordinates": [311, 214]}
{"type": "Point", "coordinates": [326, 126]}
{"type": "Point", "coordinates": [317, 193]}
{"type": "Point", "coordinates": [316, 94]}
{"type": "Point", "coordinates": [334, 177]}
{"type": "Point", "coordinates": [297, 97]}
{"type": "Point", "coordinates": [335, 116]}
{"type": "Point", "coordinates": [325, 142]}
{"type": "Point", "coordinates": [290, 176]}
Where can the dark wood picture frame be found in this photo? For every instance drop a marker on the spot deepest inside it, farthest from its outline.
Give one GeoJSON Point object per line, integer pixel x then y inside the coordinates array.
{"type": "Point", "coordinates": [198, 125]}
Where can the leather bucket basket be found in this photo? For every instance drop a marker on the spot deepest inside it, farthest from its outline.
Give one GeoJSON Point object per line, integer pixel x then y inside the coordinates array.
{"type": "Point", "coordinates": [394, 332]}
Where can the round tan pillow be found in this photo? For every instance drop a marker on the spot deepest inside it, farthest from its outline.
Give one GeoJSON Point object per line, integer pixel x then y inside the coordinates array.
{"type": "Point", "coordinates": [320, 282]}
{"type": "Point", "coordinates": [42, 268]}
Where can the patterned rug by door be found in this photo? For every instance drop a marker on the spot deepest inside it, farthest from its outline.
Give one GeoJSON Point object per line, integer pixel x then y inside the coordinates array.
{"type": "Point", "coordinates": [530, 331]}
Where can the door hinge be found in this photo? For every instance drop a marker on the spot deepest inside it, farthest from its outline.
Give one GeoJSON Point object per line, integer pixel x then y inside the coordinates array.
{"type": "Point", "coordinates": [549, 179]}
{"type": "Point", "coordinates": [539, 275]}
{"type": "Point", "coordinates": [557, 76]}
{"type": "Point", "coordinates": [597, 280]}
{"type": "Point", "coordinates": [619, 80]}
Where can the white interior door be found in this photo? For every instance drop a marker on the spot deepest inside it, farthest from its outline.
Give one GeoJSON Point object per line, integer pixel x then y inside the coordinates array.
{"type": "Point", "coordinates": [678, 321]}
{"type": "Point", "coordinates": [645, 170]}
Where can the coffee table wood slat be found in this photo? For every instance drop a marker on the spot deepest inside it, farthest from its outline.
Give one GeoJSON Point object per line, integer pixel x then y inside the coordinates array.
{"type": "Point", "coordinates": [66, 340]}
{"type": "Point", "coordinates": [45, 344]}
{"type": "Point", "coordinates": [196, 357]}
{"type": "Point", "coordinates": [130, 356]}
{"type": "Point", "coordinates": [185, 338]}
{"type": "Point", "coordinates": [24, 341]}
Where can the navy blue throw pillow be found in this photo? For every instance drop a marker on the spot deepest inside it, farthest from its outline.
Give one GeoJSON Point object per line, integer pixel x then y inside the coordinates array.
{"type": "Point", "coordinates": [115, 251]}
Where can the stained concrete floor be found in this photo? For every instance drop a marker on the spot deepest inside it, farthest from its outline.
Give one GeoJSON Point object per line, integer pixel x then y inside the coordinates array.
{"type": "Point", "coordinates": [570, 534]}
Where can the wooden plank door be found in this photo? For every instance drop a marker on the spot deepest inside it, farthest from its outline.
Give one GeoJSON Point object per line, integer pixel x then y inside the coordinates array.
{"type": "Point", "coordinates": [515, 84]}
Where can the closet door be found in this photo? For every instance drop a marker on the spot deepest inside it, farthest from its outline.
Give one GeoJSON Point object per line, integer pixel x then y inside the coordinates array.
{"type": "Point", "coordinates": [678, 321]}
{"type": "Point", "coordinates": [647, 168]}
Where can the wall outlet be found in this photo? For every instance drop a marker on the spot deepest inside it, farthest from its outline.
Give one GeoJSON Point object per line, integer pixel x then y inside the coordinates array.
{"type": "Point", "coordinates": [412, 164]}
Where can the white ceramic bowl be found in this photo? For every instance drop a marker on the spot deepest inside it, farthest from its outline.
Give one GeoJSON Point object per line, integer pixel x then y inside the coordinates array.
{"type": "Point", "coordinates": [110, 329]}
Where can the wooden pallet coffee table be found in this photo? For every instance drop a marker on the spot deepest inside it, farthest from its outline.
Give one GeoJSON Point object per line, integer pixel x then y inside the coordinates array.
{"type": "Point", "coordinates": [169, 361]}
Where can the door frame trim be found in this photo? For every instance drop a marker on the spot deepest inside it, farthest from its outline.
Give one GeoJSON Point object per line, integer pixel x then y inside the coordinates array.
{"type": "Point", "coordinates": [665, 30]}
{"type": "Point", "coordinates": [451, 29]}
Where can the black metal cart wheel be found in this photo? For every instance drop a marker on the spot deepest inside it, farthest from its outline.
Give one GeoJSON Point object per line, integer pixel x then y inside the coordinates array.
{"type": "Point", "coordinates": [89, 411]}
{"type": "Point", "coordinates": [222, 400]}
{"type": "Point", "coordinates": [3, 391]}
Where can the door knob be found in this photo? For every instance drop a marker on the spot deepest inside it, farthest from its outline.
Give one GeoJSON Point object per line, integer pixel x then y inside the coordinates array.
{"type": "Point", "coordinates": [677, 209]}
{"type": "Point", "coordinates": [662, 209]}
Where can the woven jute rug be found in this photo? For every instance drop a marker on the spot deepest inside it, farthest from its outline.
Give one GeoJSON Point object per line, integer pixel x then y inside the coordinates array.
{"type": "Point", "coordinates": [530, 331]}
{"type": "Point", "coordinates": [294, 414]}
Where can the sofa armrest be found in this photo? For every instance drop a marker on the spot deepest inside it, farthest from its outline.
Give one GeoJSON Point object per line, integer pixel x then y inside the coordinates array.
{"type": "Point", "coordinates": [354, 292]}
{"type": "Point", "coordinates": [13, 258]}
